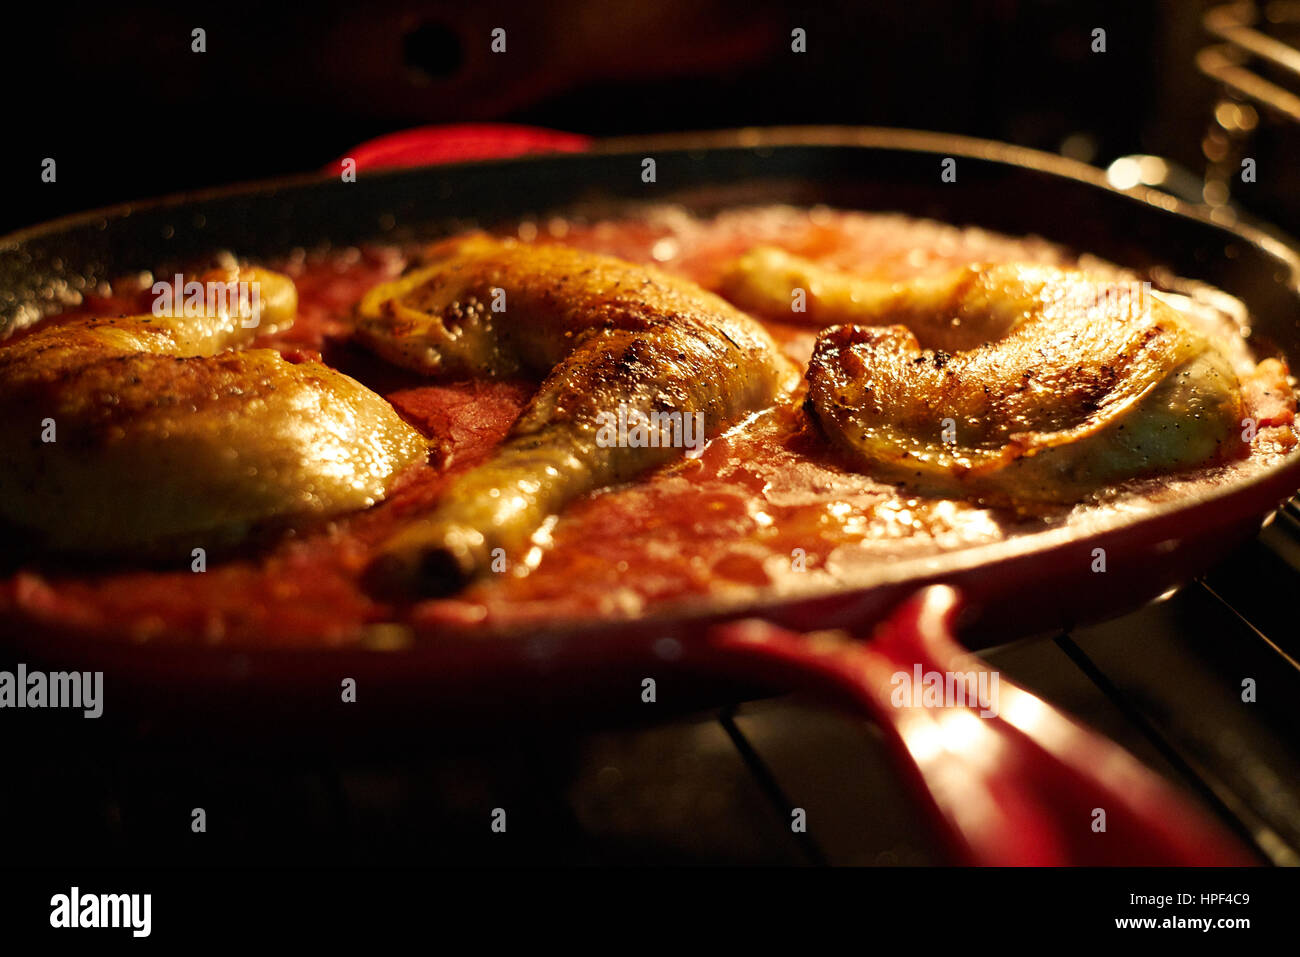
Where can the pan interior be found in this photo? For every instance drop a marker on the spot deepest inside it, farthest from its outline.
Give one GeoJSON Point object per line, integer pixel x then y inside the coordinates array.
{"type": "Point", "coordinates": [45, 268]}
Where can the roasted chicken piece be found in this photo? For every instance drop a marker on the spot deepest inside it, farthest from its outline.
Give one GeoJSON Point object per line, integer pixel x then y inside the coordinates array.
{"type": "Point", "coordinates": [153, 434]}
{"type": "Point", "coordinates": [764, 281]}
{"type": "Point", "coordinates": [1020, 384]}
{"type": "Point", "coordinates": [604, 334]}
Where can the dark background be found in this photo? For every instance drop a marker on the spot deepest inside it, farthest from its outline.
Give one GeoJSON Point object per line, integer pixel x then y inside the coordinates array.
{"type": "Point", "coordinates": [116, 96]}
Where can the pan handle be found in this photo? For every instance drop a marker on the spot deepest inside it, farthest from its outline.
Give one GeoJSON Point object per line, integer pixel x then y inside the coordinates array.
{"type": "Point", "coordinates": [1006, 778]}
{"type": "Point", "coordinates": [457, 143]}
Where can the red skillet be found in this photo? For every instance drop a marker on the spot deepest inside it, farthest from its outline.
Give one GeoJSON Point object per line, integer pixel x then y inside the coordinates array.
{"type": "Point", "coordinates": [1005, 790]}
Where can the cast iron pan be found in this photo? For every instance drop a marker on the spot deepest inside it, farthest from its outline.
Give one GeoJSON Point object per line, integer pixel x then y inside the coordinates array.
{"type": "Point", "coordinates": [1011, 588]}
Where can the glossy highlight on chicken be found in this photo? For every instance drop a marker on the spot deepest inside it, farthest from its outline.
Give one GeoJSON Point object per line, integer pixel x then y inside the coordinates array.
{"type": "Point", "coordinates": [605, 334]}
{"type": "Point", "coordinates": [158, 434]}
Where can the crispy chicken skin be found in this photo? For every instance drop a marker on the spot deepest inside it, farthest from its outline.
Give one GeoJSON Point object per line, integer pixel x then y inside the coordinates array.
{"type": "Point", "coordinates": [1019, 384]}
{"type": "Point", "coordinates": [168, 438]}
{"type": "Point", "coordinates": [604, 333]}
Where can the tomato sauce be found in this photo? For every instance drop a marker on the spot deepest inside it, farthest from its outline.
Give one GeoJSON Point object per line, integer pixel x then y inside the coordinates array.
{"type": "Point", "coordinates": [765, 507]}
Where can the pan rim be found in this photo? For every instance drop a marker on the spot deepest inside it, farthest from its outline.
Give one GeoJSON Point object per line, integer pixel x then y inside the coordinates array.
{"type": "Point", "coordinates": [762, 138]}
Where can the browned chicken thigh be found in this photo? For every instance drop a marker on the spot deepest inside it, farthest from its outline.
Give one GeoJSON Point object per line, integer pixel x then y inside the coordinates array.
{"type": "Point", "coordinates": [164, 436]}
{"type": "Point", "coordinates": [1017, 384]}
{"type": "Point", "coordinates": [605, 334]}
